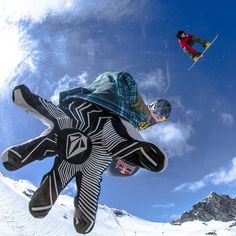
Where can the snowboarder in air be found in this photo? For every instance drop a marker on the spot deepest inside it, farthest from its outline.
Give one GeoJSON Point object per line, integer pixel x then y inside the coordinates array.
{"type": "Point", "coordinates": [88, 129]}
{"type": "Point", "coordinates": [187, 40]}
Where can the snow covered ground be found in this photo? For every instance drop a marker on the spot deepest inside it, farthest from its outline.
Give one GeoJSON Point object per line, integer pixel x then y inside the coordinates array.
{"type": "Point", "coordinates": [15, 220]}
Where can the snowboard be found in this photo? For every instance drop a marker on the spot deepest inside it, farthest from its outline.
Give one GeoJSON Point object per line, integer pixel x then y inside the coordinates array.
{"type": "Point", "coordinates": [203, 53]}
{"type": "Point", "coordinates": [161, 109]}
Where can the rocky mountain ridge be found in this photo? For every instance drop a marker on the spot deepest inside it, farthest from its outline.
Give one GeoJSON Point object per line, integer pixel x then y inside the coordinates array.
{"type": "Point", "coordinates": [214, 207]}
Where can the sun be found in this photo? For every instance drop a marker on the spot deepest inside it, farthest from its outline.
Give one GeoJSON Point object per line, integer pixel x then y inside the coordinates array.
{"type": "Point", "coordinates": [11, 52]}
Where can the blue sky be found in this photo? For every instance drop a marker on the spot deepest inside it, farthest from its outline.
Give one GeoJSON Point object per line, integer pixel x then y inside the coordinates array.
{"type": "Point", "coordinates": [54, 45]}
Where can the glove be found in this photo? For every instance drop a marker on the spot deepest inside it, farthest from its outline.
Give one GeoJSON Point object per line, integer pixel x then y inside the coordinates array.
{"type": "Point", "coordinates": [84, 139]}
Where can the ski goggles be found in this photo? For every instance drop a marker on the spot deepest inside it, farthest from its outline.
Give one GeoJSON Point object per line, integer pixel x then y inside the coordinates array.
{"type": "Point", "coordinates": [159, 116]}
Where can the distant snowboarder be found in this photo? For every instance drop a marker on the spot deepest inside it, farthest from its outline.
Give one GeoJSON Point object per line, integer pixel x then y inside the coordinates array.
{"type": "Point", "coordinates": [90, 127]}
{"type": "Point", "coordinates": [187, 40]}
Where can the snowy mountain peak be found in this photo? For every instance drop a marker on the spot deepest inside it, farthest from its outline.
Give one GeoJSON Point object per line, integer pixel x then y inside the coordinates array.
{"type": "Point", "coordinates": [216, 197]}
{"type": "Point", "coordinates": [213, 207]}
{"type": "Point", "coordinates": [213, 195]}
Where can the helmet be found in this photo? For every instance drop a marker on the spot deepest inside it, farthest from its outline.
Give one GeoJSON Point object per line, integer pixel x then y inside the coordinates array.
{"type": "Point", "coordinates": [160, 110]}
{"type": "Point", "coordinates": [179, 34]}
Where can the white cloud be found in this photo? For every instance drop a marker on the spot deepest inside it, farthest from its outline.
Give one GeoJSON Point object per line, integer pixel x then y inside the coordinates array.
{"type": "Point", "coordinates": [37, 11]}
{"type": "Point", "coordinates": [173, 137]}
{"type": "Point", "coordinates": [14, 50]}
{"type": "Point", "coordinates": [222, 176]}
{"type": "Point", "coordinates": [34, 10]}
{"type": "Point", "coordinates": [192, 115]}
{"type": "Point", "coordinates": [225, 176]}
{"type": "Point", "coordinates": [68, 82]}
{"type": "Point", "coordinates": [111, 10]}
{"type": "Point", "coordinates": [227, 119]}
{"type": "Point", "coordinates": [169, 205]}
{"type": "Point", "coordinates": [16, 47]}
{"type": "Point", "coordinates": [155, 80]}
{"type": "Point", "coordinates": [191, 187]}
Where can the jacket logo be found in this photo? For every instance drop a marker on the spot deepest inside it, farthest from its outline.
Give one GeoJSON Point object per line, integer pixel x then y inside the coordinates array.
{"type": "Point", "coordinates": [76, 143]}
{"type": "Point", "coordinates": [124, 168]}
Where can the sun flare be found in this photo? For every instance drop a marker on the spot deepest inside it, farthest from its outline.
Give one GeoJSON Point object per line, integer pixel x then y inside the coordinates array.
{"type": "Point", "coordinates": [11, 52]}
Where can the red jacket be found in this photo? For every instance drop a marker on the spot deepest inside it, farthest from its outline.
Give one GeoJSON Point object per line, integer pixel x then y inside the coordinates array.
{"type": "Point", "coordinates": [184, 43]}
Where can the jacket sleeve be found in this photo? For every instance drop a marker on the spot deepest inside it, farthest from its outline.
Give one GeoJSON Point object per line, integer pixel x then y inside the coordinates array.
{"type": "Point", "coordinates": [141, 106]}
{"type": "Point", "coordinates": [126, 78]}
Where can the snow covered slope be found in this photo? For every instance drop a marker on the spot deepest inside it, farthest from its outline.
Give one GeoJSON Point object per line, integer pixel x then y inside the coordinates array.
{"type": "Point", "coordinates": [15, 220]}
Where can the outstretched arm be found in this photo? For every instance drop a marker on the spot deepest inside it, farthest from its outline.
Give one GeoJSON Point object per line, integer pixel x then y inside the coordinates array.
{"type": "Point", "coordinates": [141, 106]}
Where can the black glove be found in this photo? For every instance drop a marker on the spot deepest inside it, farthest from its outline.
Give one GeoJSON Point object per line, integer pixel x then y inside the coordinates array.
{"type": "Point", "coordinates": [85, 139]}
